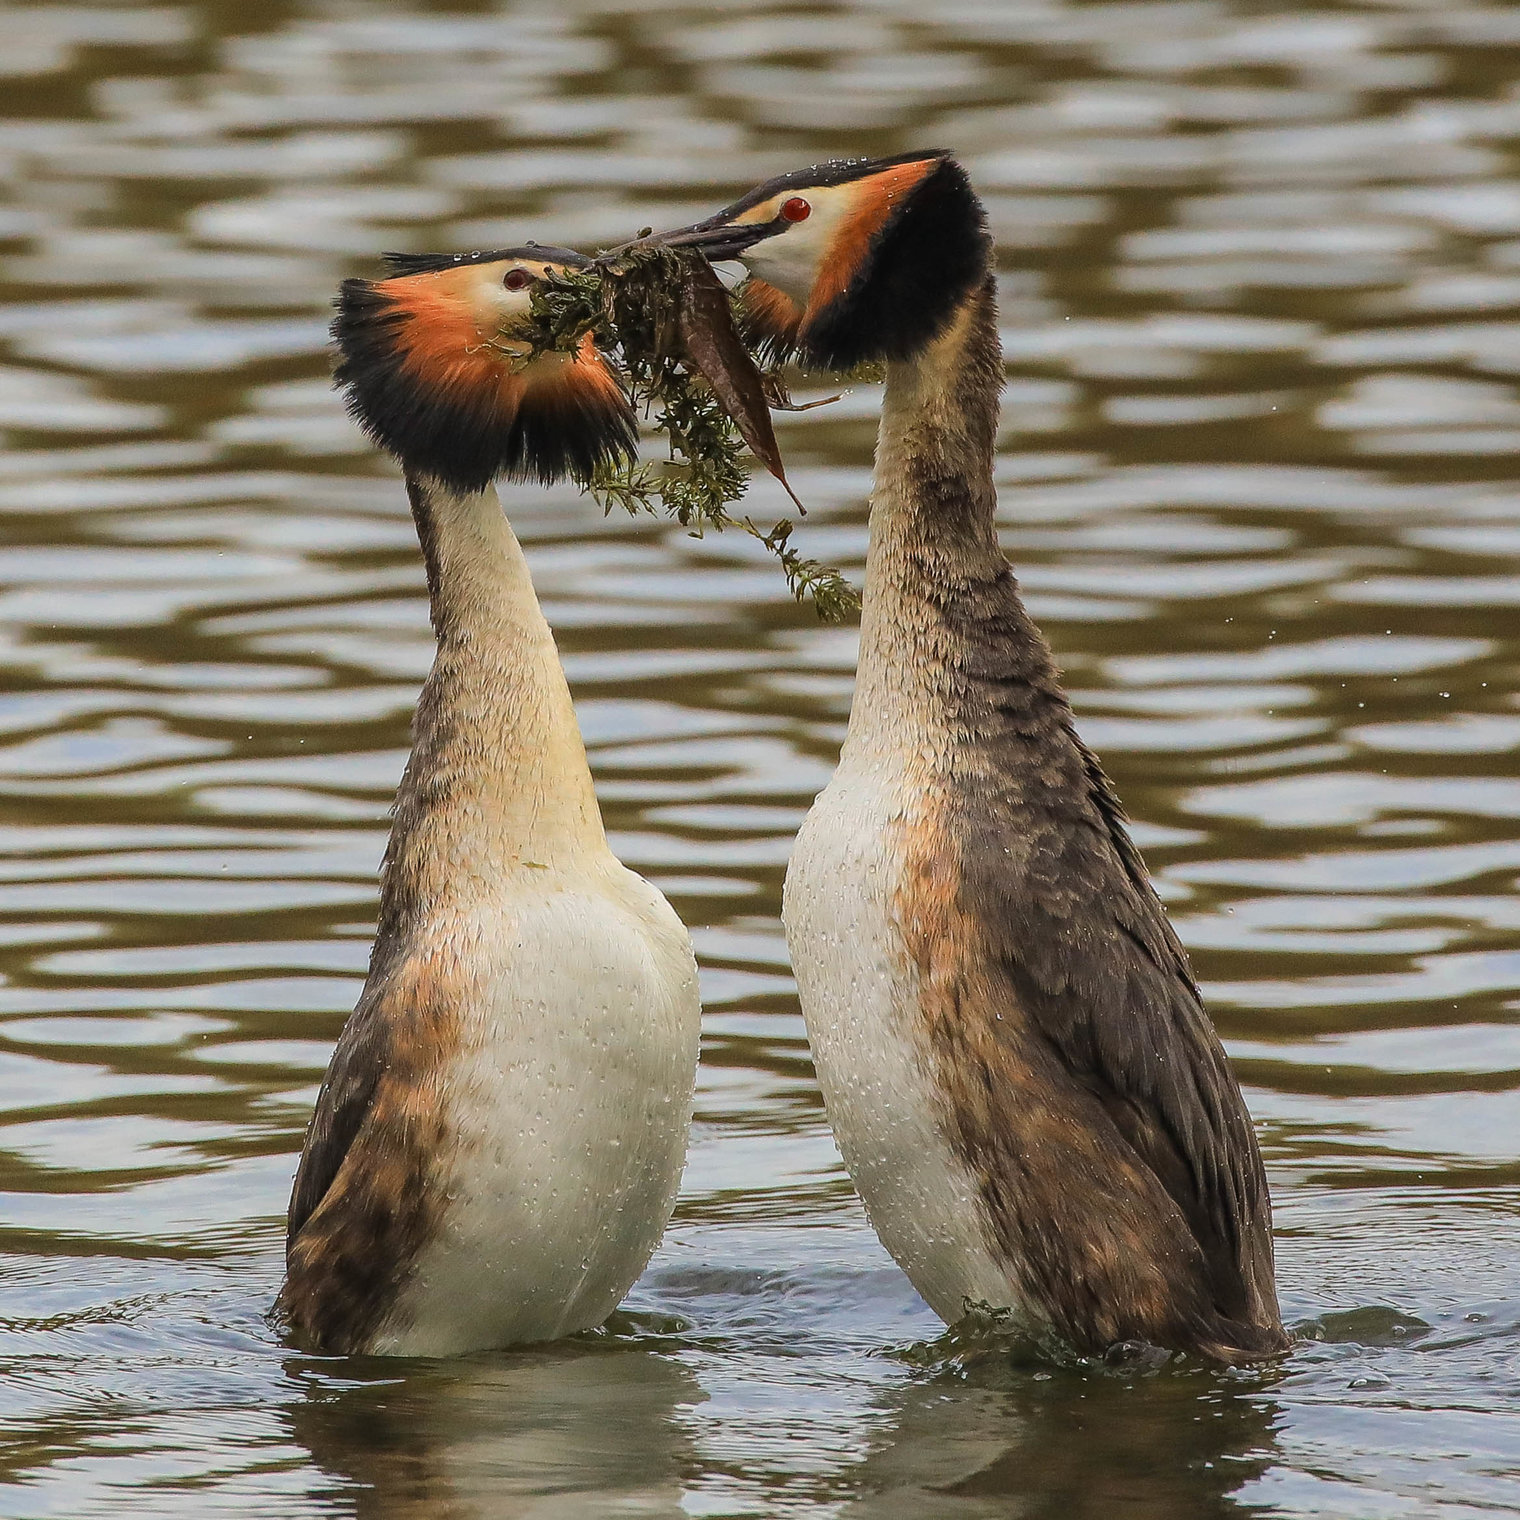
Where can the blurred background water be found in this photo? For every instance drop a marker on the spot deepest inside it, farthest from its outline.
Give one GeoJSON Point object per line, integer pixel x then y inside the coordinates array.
{"type": "Point", "coordinates": [1260, 267]}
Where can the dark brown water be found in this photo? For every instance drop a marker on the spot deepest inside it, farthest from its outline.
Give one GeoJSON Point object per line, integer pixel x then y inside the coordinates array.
{"type": "Point", "coordinates": [1261, 271]}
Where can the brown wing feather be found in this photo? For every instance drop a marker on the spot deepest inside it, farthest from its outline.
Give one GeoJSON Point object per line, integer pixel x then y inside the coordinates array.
{"type": "Point", "coordinates": [362, 1204]}
{"type": "Point", "coordinates": [1107, 1091]}
{"type": "Point", "coordinates": [348, 1090]}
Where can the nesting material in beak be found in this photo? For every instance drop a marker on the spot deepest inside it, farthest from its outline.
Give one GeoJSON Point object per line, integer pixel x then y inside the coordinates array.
{"type": "Point", "coordinates": [433, 364]}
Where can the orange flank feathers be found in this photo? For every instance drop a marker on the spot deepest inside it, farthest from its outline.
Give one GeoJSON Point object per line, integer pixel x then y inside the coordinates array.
{"type": "Point", "coordinates": [432, 365]}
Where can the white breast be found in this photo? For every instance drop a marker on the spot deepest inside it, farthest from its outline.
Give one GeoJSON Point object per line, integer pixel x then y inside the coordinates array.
{"type": "Point", "coordinates": [860, 1001]}
{"type": "Point", "coordinates": [570, 1103]}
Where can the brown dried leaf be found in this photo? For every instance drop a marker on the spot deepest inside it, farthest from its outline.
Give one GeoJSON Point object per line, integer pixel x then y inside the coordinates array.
{"type": "Point", "coordinates": [706, 325]}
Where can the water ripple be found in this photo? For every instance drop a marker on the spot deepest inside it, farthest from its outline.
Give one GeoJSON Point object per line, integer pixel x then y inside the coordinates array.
{"type": "Point", "coordinates": [1260, 278]}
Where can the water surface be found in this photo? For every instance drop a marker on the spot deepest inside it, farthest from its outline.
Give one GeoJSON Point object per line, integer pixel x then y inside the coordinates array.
{"type": "Point", "coordinates": [1261, 292]}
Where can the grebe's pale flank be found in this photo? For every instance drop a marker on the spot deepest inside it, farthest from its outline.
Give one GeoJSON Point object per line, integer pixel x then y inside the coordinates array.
{"type": "Point", "coordinates": [499, 1138]}
{"type": "Point", "coordinates": [1021, 1077]}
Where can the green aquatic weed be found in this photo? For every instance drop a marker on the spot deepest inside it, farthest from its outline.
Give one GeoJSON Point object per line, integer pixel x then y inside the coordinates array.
{"type": "Point", "coordinates": [669, 317]}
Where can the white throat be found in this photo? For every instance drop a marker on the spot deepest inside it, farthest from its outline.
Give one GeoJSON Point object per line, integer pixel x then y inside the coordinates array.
{"type": "Point", "coordinates": [498, 779]}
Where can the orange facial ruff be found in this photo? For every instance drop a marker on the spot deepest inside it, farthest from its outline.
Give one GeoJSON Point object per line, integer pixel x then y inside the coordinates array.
{"type": "Point", "coordinates": [430, 363]}
{"type": "Point", "coordinates": [873, 202]}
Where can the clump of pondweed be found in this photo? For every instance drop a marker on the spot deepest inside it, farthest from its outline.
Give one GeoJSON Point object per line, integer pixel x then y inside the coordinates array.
{"type": "Point", "coordinates": [669, 316]}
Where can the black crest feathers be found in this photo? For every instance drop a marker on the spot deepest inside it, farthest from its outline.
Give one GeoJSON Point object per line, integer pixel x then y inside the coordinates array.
{"type": "Point", "coordinates": [918, 268]}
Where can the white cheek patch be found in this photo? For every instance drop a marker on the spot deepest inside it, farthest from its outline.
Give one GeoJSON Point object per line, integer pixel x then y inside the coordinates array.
{"type": "Point", "coordinates": [793, 259]}
{"type": "Point", "coordinates": [490, 300]}
{"type": "Point", "coordinates": [790, 260]}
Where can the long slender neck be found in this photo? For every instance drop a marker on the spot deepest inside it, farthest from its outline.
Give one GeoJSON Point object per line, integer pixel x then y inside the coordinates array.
{"type": "Point", "coordinates": [497, 782]}
{"type": "Point", "coordinates": [932, 531]}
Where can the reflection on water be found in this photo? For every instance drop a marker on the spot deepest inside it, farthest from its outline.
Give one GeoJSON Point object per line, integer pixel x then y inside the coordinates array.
{"type": "Point", "coordinates": [1260, 273]}
{"type": "Point", "coordinates": [501, 1438]}
{"type": "Point", "coordinates": [1068, 1446]}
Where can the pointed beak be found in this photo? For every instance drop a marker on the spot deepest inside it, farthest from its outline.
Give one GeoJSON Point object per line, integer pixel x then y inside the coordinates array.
{"type": "Point", "coordinates": [720, 240]}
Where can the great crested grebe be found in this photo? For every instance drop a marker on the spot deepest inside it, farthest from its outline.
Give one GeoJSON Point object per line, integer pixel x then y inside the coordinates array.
{"type": "Point", "coordinates": [500, 1135]}
{"type": "Point", "coordinates": [1015, 1060]}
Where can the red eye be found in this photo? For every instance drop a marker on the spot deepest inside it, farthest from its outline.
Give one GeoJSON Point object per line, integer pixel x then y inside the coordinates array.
{"type": "Point", "coordinates": [795, 210]}
{"type": "Point", "coordinates": [517, 279]}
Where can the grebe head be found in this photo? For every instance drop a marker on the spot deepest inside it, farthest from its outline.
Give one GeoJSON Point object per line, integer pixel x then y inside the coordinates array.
{"type": "Point", "coordinates": [852, 260]}
{"type": "Point", "coordinates": [431, 361]}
